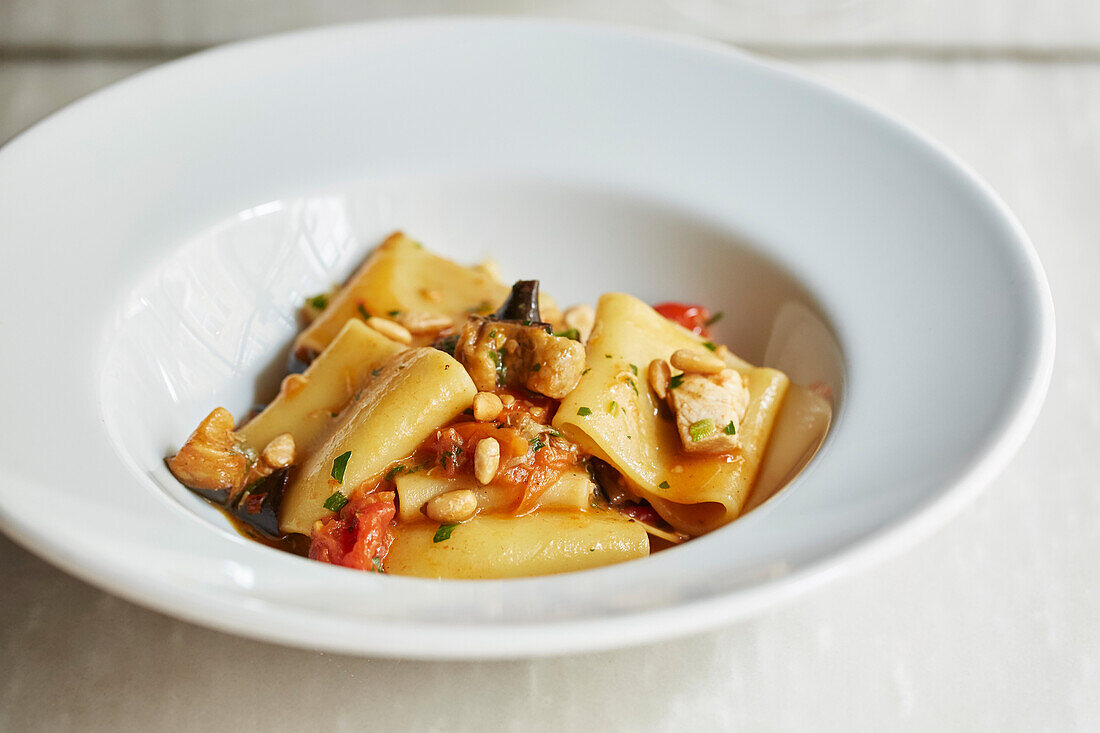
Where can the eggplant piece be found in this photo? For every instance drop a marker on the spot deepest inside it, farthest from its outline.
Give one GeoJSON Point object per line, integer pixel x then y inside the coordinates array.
{"type": "Point", "coordinates": [258, 505]}
{"type": "Point", "coordinates": [509, 354]}
{"type": "Point", "coordinates": [447, 344]}
{"type": "Point", "coordinates": [217, 496]}
{"type": "Point", "coordinates": [522, 305]}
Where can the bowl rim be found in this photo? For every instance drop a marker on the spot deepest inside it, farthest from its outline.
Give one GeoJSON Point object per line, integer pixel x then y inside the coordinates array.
{"type": "Point", "coordinates": [684, 618]}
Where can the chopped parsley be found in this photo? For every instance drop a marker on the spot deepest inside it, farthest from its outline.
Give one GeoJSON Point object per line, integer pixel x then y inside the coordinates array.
{"type": "Point", "coordinates": [377, 565]}
{"type": "Point", "coordinates": [715, 318]}
{"type": "Point", "coordinates": [676, 381]}
{"type": "Point", "coordinates": [584, 411]}
{"type": "Point", "coordinates": [394, 471]}
{"type": "Point", "coordinates": [607, 356]}
{"type": "Point", "coordinates": [444, 532]}
{"type": "Point", "coordinates": [339, 465]}
{"type": "Point", "coordinates": [536, 366]}
{"type": "Point", "coordinates": [492, 333]}
{"type": "Point", "coordinates": [731, 429]}
{"type": "Point", "coordinates": [586, 371]}
{"type": "Point", "coordinates": [336, 502]}
{"type": "Point", "coordinates": [375, 372]}
{"type": "Point", "coordinates": [320, 302]}
{"type": "Point", "coordinates": [612, 406]}
{"type": "Point", "coordinates": [451, 455]}
{"type": "Point", "coordinates": [569, 333]}
{"type": "Point", "coordinates": [633, 386]}
{"type": "Point", "coordinates": [700, 429]}
{"type": "Point", "coordinates": [634, 368]}
{"type": "Point", "coordinates": [663, 485]}
{"type": "Point", "coordinates": [537, 444]}
{"type": "Point", "coordinates": [393, 314]}
{"type": "Point", "coordinates": [362, 311]}
{"type": "Point", "coordinates": [711, 345]}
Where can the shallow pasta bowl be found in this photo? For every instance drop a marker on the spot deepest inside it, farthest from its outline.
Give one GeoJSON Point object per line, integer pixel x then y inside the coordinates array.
{"type": "Point", "coordinates": [161, 233]}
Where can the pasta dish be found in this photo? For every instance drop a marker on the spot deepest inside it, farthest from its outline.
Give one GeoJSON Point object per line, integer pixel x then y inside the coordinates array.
{"type": "Point", "coordinates": [443, 424]}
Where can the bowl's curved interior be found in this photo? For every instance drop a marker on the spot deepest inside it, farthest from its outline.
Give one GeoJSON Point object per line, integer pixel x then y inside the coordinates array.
{"type": "Point", "coordinates": [176, 219]}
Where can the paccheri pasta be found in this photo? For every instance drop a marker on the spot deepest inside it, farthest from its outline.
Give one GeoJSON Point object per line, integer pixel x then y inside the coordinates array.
{"type": "Point", "coordinates": [447, 426]}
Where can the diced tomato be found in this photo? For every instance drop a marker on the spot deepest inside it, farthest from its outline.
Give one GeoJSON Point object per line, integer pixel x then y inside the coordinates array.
{"type": "Point", "coordinates": [692, 317]}
{"type": "Point", "coordinates": [358, 534]}
{"type": "Point", "coordinates": [529, 467]}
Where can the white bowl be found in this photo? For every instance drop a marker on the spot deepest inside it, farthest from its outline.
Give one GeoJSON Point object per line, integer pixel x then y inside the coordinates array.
{"type": "Point", "coordinates": [160, 234]}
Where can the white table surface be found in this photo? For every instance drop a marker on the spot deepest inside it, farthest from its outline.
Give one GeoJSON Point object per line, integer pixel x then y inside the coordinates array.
{"type": "Point", "coordinates": [992, 623]}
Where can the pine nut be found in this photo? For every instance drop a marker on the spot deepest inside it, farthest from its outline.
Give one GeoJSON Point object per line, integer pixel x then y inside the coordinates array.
{"type": "Point", "coordinates": [507, 400]}
{"type": "Point", "coordinates": [425, 323]}
{"type": "Point", "coordinates": [487, 406]}
{"type": "Point", "coordinates": [486, 460]}
{"type": "Point", "coordinates": [696, 362]}
{"type": "Point", "coordinates": [390, 330]}
{"type": "Point", "coordinates": [279, 453]}
{"type": "Point", "coordinates": [452, 507]}
{"type": "Point", "coordinates": [659, 376]}
{"type": "Point", "coordinates": [582, 318]}
{"type": "Point", "coordinates": [292, 384]}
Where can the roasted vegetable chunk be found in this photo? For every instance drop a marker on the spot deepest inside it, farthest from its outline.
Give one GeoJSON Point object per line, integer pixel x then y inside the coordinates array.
{"type": "Point", "coordinates": [508, 354]}
{"type": "Point", "coordinates": [214, 460]}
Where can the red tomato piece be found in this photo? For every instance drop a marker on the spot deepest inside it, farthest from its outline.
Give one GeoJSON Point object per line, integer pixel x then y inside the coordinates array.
{"type": "Point", "coordinates": [358, 535]}
{"type": "Point", "coordinates": [692, 317]}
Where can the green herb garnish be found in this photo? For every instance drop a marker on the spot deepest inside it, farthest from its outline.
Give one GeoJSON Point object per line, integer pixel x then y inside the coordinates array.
{"type": "Point", "coordinates": [586, 371]}
{"type": "Point", "coordinates": [362, 311]}
{"type": "Point", "coordinates": [634, 368]}
{"type": "Point", "coordinates": [537, 444]}
{"type": "Point", "coordinates": [375, 372]}
{"type": "Point", "coordinates": [339, 465]}
{"type": "Point", "coordinates": [612, 406]}
{"type": "Point", "coordinates": [393, 314]}
{"type": "Point", "coordinates": [584, 411]}
{"type": "Point", "coordinates": [320, 302]}
{"type": "Point", "coordinates": [377, 565]}
{"type": "Point", "coordinates": [711, 345]}
{"type": "Point", "coordinates": [715, 318]}
{"type": "Point", "coordinates": [731, 429]}
{"type": "Point", "coordinates": [336, 502]}
{"type": "Point", "coordinates": [676, 381]}
{"type": "Point", "coordinates": [569, 333]}
{"type": "Point", "coordinates": [536, 366]}
{"type": "Point", "coordinates": [394, 471]}
{"type": "Point", "coordinates": [663, 485]}
{"type": "Point", "coordinates": [444, 532]}
{"type": "Point", "coordinates": [700, 429]}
